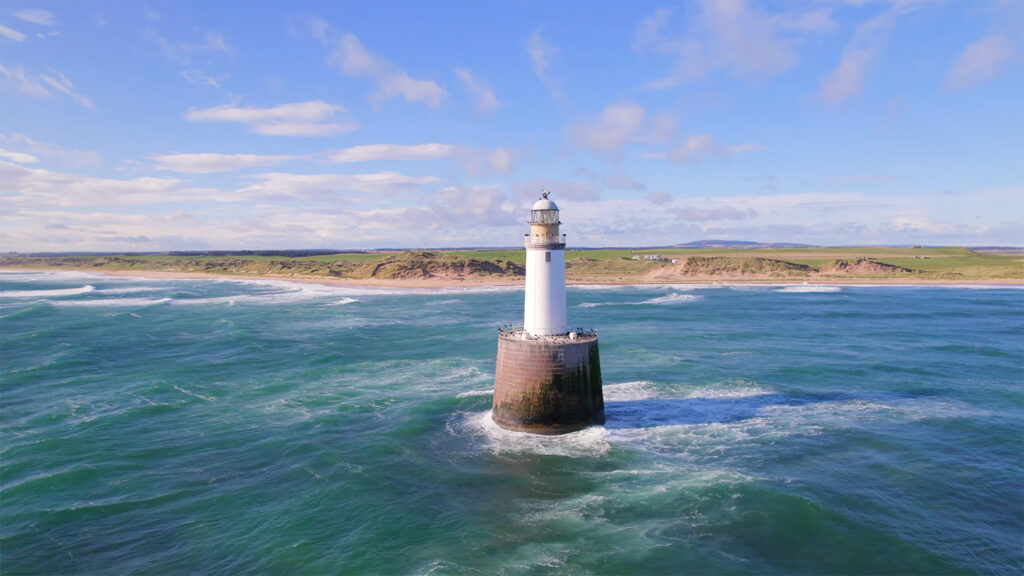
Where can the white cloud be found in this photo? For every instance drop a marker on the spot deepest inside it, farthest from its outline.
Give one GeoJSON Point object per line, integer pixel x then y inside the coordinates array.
{"type": "Point", "coordinates": [499, 159]}
{"type": "Point", "coordinates": [541, 52]}
{"type": "Point", "coordinates": [658, 197]}
{"type": "Point", "coordinates": [819, 20]}
{"type": "Point", "coordinates": [982, 60]}
{"type": "Point", "coordinates": [848, 78]}
{"type": "Point", "coordinates": [485, 98]}
{"type": "Point", "coordinates": [648, 33]}
{"type": "Point", "coordinates": [353, 59]}
{"type": "Point", "coordinates": [25, 188]}
{"type": "Point", "coordinates": [42, 84]}
{"type": "Point", "coordinates": [485, 205]}
{"type": "Point", "coordinates": [36, 16]}
{"type": "Point", "coordinates": [59, 82]}
{"type": "Point", "coordinates": [183, 52]}
{"type": "Point", "coordinates": [203, 163]}
{"type": "Point", "coordinates": [619, 124]}
{"type": "Point", "coordinates": [375, 152]}
{"type": "Point", "coordinates": [614, 127]}
{"type": "Point", "coordinates": [701, 146]}
{"type": "Point", "coordinates": [281, 186]}
{"type": "Point", "coordinates": [11, 34]}
{"type": "Point", "coordinates": [33, 188]}
{"type": "Point", "coordinates": [44, 210]}
{"type": "Point", "coordinates": [22, 81]}
{"type": "Point", "coordinates": [19, 157]}
{"type": "Point", "coordinates": [198, 77]}
{"type": "Point", "coordinates": [861, 53]}
{"type": "Point", "coordinates": [661, 128]}
{"type": "Point", "coordinates": [726, 34]}
{"type": "Point", "coordinates": [312, 118]}
{"type": "Point", "coordinates": [73, 158]}
{"type": "Point", "coordinates": [694, 149]}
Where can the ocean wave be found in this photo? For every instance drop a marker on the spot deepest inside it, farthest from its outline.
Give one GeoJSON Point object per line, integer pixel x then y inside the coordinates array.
{"type": "Point", "coordinates": [691, 287]}
{"type": "Point", "coordinates": [808, 288]}
{"type": "Point", "coordinates": [472, 393]}
{"type": "Point", "coordinates": [587, 443]}
{"type": "Point", "coordinates": [627, 391]}
{"type": "Point", "coordinates": [672, 299]}
{"type": "Point", "coordinates": [356, 290]}
{"type": "Point", "coordinates": [343, 301]}
{"type": "Point", "coordinates": [739, 388]}
{"type": "Point", "coordinates": [132, 290]}
{"type": "Point", "coordinates": [193, 394]}
{"type": "Point", "coordinates": [47, 293]}
{"type": "Point", "coordinates": [117, 302]}
{"type": "Point", "coordinates": [660, 300]}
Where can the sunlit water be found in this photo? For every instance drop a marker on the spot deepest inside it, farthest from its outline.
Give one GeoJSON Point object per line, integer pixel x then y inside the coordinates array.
{"type": "Point", "coordinates": [226, 427]}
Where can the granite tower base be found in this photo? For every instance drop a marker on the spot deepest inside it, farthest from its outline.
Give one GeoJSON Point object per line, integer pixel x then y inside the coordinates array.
{"type": "Point", "coordinates": [548, 384]}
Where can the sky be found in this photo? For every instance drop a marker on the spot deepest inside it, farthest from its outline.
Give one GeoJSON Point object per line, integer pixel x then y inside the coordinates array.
{"type": "Point", "coordinates": [134, 126]}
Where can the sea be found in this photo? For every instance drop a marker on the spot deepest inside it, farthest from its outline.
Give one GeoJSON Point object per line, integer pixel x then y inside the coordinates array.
{"type": "Point", "coordinates": [204, 426]}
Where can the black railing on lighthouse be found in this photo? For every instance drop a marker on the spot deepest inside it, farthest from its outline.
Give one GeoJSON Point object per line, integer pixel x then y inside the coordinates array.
{"type": "Point", "coordinates": [518, 328]}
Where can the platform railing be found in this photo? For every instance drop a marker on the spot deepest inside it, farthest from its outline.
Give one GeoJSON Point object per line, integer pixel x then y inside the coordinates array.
{"type": "Point", "coordinates": [517, 328]}
{"type": "Point", "coordinates": [551, 241]}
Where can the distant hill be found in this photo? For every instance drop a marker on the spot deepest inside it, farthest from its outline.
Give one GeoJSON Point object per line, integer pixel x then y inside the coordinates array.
{"type": "Point", "coordinates": [739, 244]}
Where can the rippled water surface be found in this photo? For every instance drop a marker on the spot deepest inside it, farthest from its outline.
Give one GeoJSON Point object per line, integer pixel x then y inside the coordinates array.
{"type": "Point", "coordinates": [226, 427]}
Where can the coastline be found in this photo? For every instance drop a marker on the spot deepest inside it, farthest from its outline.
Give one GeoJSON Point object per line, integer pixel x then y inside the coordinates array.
{"type": "Point", "coordinates": [438, 283]}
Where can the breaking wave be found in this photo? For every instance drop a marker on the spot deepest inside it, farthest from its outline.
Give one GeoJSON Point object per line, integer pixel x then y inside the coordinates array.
{"type": "Point", "coordinates": [674, 298]}
{"type": "Point", "coordinates": [809, 288]}
{"type": "Point", "coordinates": [47, 293]}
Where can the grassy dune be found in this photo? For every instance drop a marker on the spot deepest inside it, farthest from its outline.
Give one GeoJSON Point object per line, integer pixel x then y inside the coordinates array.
{"type": "Point", "coordinates": [613, 265]}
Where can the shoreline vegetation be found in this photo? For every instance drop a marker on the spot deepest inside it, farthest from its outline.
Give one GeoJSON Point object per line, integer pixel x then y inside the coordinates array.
{"type": "Point", "coordinates": [454, 268]}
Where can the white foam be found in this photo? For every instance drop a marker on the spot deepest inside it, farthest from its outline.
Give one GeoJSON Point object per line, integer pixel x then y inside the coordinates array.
{"type": "Point", "coordinates": [587, 443]}
{"type": "Point", "coordinates": [343, 301]}
{"type": "Point", "coordinates": [111, 302]}
{"type": "Point", "coordinates": [629, 391]}
{"type": "Point", "coordinates": [47, 293]}
{"type": "Point", "coordinates": [193, 394]}
{"type": "Point", "coordinates": [691, 287]}
{"type": "Point", "coordinates": [133, 290]}
{"type": "Point", "coordinates": [742, 390]}
{"type": "Point", "coordinates": [672, 299]}
{"type": "Point", "coordinates": [472, 393]}
{"type": "Point", "coordinates": [808, 288]}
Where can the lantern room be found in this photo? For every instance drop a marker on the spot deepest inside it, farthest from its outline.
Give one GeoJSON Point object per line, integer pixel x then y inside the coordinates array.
{"type": "Point", "coordinates": [544, 220]}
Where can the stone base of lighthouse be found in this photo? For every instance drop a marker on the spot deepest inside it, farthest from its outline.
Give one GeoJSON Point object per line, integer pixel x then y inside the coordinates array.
{"type": "Point", "coordinates": [547, 384]}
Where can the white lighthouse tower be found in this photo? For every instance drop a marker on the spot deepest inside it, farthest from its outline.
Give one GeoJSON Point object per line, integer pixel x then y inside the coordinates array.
{"type": "Point", "coordinates": [544, 313]}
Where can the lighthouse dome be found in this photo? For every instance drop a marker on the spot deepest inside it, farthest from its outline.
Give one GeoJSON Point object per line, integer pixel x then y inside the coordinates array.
{"type": "Point", "coordinates": [544, 204]}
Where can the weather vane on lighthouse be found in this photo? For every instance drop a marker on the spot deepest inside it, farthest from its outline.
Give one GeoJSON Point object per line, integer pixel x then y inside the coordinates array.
{"type": "Point", "coordinates": [548, 378]}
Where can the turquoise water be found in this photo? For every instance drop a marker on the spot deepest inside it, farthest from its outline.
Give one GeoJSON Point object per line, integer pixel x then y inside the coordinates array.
{"type": "Point", "coordinates": [228, 427]}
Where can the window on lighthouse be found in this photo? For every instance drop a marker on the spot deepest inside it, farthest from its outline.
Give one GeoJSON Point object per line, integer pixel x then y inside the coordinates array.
{"type": "Point", "coordinates": [547, 256]}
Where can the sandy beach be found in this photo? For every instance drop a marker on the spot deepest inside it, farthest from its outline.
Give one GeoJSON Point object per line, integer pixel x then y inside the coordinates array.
{"type": "Point", "coordinates": [487, 281]}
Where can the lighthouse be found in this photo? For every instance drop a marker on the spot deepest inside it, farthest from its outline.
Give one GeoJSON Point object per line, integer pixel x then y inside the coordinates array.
{"type": "Point", "coordinates": [548, 377]}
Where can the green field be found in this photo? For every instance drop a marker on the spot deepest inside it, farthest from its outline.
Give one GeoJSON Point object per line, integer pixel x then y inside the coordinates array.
{"type": "Point", "coordinates": [605, 265]}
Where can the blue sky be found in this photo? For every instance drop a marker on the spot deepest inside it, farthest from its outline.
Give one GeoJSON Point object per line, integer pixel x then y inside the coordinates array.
{"type": "Point", "coordinates": [259, 125]}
